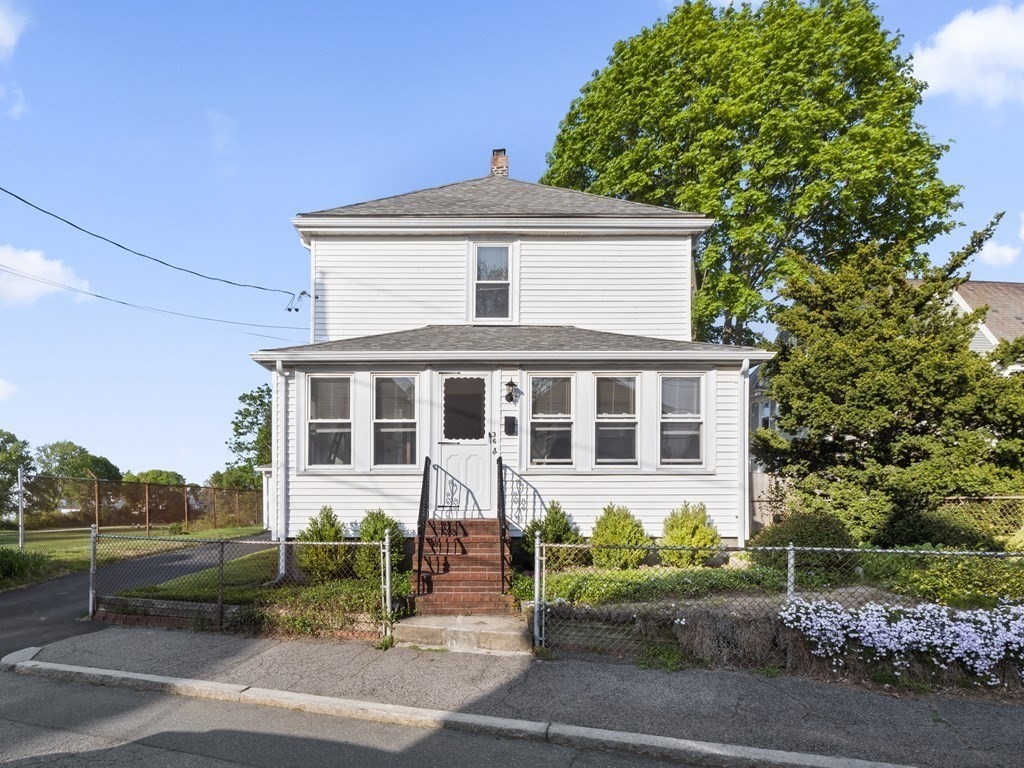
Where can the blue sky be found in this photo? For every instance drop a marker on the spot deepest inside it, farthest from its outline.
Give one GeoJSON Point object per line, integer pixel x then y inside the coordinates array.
{"type": "Point", "coordinates": [192, 131]}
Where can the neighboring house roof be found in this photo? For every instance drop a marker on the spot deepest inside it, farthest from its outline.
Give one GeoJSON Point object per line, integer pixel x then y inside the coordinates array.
{"type": "Point", "coordinates": [1005, 317]}
{"type": "Point", "coordinates": [533, 342]}
{"type": "Point", "coordinates": [501, 196]}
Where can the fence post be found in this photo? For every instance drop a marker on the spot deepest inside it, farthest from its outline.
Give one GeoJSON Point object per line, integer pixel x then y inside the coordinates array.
{"type": "Point", "coordinates": [95, 495]}
{"type": "Point", "coordinates": [214, 507]}
{"type": "Point", "coordinates": [147, 509]}
{"type": "Point", "coordinates": [184, 496]}
{"type": "Point", "coordinates": [220, 589]}
{"type": "Point", "coordinates": [21, 510]}
{"type": "Point", "coordinates": [790, 572]}
{"type": "Point", "coordinates": [538, 640]}
{"type": "Point", "coordinates": [387, 581]}
{"type": "Point", "coordinates": [236, 509]}
{"type": "Point", "coordinates": [92, 571]}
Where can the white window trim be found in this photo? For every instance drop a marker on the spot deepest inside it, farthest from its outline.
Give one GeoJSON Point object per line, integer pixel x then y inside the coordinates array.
{"type": "Point", "coordinates": [600, 418]}
{"type": "Point", "coordinates": [307, 465]}
{"type": "Point", "coordinates": [415, 420]}
{"type": "Point", "coordinates": [701, 419]}
{"type": "Point", "coordinates": [570, 419]}
{"type": "Point", "coordinates": [471, 282]}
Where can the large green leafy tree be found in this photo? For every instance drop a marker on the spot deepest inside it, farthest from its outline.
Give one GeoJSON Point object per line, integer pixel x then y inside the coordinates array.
{"type": "Point", "coordinates": [888, 408]}
{"type": "Point", "coordinates": [64, 458]}
{"type": "Point", "coordinates": [791, 124]}
{"type": "Point", "coordinates": [241, 476]}
{"type": "Point", "coordinates": [14, 455]}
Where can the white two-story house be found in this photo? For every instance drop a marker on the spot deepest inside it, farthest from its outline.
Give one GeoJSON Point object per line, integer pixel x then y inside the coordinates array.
{"type": "Point", "coordinates": [496, 318]}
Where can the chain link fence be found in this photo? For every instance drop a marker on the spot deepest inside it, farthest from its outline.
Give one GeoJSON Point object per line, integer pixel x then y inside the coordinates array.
{"type": "Point", "coordinates": [319, 588]}
{"type": "Point", "coordinates": [54, 514]}
{"type": "Point", "coordinates": [723, 606]}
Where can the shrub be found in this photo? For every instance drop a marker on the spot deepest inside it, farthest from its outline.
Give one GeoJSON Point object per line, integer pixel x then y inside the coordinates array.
{"type": "Point", "coordinates": [323, 564]}
{"type": "Point", "coordinates": [17, 565]}
{"type": "Point", "coordinates": [615, 528]}
{"type": "Point", "coordinates": [1016, 542]}
{"type": "Point", "coordinates": [689, 526]}
{"type": "Point", "coordinates": [557, 527]}
{"type": "Point", "coordinates": [371, 528]}
{"type": "Point", "coordinates": [176, 529]}
{"type": "Point", "coordinates": [807, 528]}
{"type": "Point", "coordinates": [965, 582]}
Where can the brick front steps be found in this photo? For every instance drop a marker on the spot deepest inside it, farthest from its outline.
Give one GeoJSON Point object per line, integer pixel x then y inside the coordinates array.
{"type": "Point", "coordinates": [461, 572]}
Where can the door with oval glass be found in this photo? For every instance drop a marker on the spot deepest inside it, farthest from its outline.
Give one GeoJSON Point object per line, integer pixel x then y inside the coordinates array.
{"type": "Point", "coordinates": [465, 486]}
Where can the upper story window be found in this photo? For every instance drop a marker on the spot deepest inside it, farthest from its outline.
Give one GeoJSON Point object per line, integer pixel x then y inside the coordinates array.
{"type": "Point", "coordinates": [682, 420]}
{"type": "Point", "coordinates": [491, 283]}
{"type": "Point", "coordinates": [394, 420]}
{"type": "Point", "coordinates": [330, 421]}
{"type": "Point", "coordinates": [550, 420]}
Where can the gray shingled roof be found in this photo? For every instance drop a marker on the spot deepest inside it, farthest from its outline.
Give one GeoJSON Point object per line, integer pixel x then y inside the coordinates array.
{"type": "Point", "coordinates": [507, 338]}
{"type": "Point", "coordinates": [1005, 302]}
{"type": "Point", "coordinates": [501, 196]}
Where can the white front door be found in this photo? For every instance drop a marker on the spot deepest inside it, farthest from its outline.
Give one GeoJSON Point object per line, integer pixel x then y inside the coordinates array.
{"type": "Point", "coordinates": [464, 483]}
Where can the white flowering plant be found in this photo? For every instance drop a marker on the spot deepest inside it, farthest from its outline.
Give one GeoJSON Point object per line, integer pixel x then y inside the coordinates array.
{"type": "Point", "coordinates": [979, 641]}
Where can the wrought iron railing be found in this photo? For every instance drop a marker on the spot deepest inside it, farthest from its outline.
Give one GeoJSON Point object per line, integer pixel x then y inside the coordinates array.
{"type": "Point", "coordinates": [453, 499]}
{"type": "Point", "coordinates": [421, 524]}
{"type": "Point", "coordinates": [502, 521]}
{"type": "Point", "coordinates": [524, 502]}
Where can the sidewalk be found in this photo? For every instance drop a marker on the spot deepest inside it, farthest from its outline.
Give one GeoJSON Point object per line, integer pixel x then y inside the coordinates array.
{"type": "Point", "coordinates": [736, 708]}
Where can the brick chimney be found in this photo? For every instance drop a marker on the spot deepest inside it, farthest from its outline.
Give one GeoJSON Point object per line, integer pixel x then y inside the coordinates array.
{"type": "Point", "coordinates": [499, 163]}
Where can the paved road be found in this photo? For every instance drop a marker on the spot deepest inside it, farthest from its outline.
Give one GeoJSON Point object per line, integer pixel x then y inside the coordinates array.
{"type": "Point", "coordinates": [52, 611]}
{"type": "Point", "coordinates": [71, 724]}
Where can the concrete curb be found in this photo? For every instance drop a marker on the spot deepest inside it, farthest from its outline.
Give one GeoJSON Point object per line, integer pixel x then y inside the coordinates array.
{"type": "Point", "coordinates": [702, 753]}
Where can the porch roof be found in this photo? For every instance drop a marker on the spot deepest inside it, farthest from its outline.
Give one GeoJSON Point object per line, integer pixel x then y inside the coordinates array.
{"type": "Point", "coordinates": [497, 343]}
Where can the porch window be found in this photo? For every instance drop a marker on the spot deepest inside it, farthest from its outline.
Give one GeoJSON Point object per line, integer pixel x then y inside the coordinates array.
{"type": "Point", "coordinates": [682, 421]}
{"type": "Point", "coordinates": [330, 421]}
{"type": "Point", "coordinates": [394, 420]}
{"type": "Point", "coordinates": [491, 285]}
{"type": "Point", "coordinates": [615, 438]}
{"type": "Point", "coordinates": [551, 420]}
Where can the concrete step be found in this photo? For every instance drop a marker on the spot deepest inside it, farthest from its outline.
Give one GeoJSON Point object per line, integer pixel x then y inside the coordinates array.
{"type": "Point", "coordinates": [470, 634]}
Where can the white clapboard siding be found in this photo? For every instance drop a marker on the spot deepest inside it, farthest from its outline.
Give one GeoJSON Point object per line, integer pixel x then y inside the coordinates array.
{"type": "Point", "coordinates": [379, 285]}
{"type": "Point", "coordinates": [639, 286]}
{"type": "Point", "coordinates": [622, 285]}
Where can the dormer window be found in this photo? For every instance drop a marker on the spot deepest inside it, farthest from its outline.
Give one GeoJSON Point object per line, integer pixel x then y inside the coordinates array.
{"type": "Point", "coordinates": [491, 284]}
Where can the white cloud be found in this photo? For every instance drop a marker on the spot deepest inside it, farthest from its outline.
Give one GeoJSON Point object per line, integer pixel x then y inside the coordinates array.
{"type": "Point", "coordinates": [997, 255]}
{"type": "Point", "coordinates": [221, 131]}
{"type": "Point", "coordinates": [7, 390]}
{"type": "Point", "coordinates": [979, 55]}
{"type": "Point", "coordinates": [19, 290]}
{"type": "Point", "coordinates": [12, 24]}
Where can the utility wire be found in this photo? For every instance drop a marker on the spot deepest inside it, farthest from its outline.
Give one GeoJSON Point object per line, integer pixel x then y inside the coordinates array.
{"type": "Point", "coordinates": [132, 251]}
{"type": "Point", "coordinates": [18, 273]}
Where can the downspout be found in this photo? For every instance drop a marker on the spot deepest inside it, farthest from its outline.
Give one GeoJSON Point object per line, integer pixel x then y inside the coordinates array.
{"type": "Point", "coordinates": [281, 455]}
{"type": "Point", "coordinates": [745, 453]}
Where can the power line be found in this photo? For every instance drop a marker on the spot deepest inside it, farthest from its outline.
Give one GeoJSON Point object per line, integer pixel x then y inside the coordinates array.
{"type": "Point", "coordinates": [18, 273]}
{"type": "Point", "coordinates": [294, 297]}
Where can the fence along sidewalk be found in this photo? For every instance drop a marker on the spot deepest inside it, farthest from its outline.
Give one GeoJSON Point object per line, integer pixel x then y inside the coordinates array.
{"type": "Point", "coordinates": [722, 605]}
{"type": "Point", "coordinates": [50, 504]}
{"type": "Point", "coordinates": [340, 588]}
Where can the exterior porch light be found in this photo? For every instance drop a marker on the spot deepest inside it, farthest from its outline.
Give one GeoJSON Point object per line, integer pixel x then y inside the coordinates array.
{"type": "Point", "coordinates": [510, 394]}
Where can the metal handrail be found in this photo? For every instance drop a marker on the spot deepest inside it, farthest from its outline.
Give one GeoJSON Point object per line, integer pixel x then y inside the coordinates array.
{"type": "Point", "coordinates": [421, 524]}
{"type": "Point", "coordinates": [502, 520]}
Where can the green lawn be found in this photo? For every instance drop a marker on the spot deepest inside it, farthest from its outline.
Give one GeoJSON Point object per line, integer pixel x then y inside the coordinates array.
{"type": "Point", "coordinates": [242, 579]}
{"type": "Point", "coordinates": [68, 551]}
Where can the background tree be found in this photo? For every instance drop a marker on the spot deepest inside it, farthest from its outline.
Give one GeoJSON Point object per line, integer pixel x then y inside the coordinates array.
{"type": "Point", "coordinates": [889, 407]}
{"type": "Point", "coordinates": [250, 429]}
{"type": "Point", "coordinates": [242, 476]}
{"type": "Point", "coordinates": [158, 476]}
{"type": "Point", "coordinates": [64, 458]}
{"type": "Point", "coordinates": [791, 124]}
{"type": "Point", "coordinates": [14, 455]}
